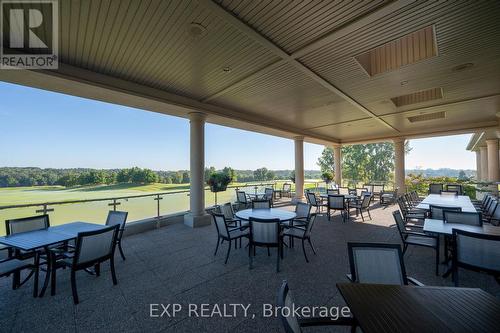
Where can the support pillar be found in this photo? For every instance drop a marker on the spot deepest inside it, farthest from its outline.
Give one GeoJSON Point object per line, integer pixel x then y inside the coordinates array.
{"type": "Point", "coordinates": [299, 169]}
{"type": "Point", "coordinates": [337, 161]}
{"type": "Point", "coordinates": [478, 165]}
{"type": "Point", "coordinates": [484, 163]}
{"type": "Point", "coordinates": [399, 164]}
{"type": "Point", "coordinates": [197, 216]}
{"type": "Point", "coordinates": [493, 172]}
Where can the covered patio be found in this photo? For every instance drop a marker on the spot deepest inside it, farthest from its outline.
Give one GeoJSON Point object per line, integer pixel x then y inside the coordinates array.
{"type": "Point", "coordinates": [330, 73]}
{"type": "Point", "coordinates": [175, 264]}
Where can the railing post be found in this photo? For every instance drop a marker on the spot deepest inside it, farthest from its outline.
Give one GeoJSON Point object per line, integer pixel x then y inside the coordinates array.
{"type": "Point", "coordinates": [114, 204]}
{"type": "Point", "coordinates": [44, 210]}
{"type": "Point", "coordinates": [157, 199]}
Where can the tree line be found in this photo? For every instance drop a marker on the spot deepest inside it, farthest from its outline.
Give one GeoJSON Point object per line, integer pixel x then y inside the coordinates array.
{"type": "Point", "coordinates": [30, 176]}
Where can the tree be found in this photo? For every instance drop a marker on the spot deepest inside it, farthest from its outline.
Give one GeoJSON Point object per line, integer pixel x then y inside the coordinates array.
{"type": "Point", "coordinates": [325, 161]}
{"type": "Point", "coordinates": [270, 175]}
{"type": "Point", "coordinates": [185, 177]}
{"type": "Point", "coordinates": [260, 174]}
{"type": "Point", "coordinates": [177, 177]}
{"type": "Point", "coordinates": [208, 173]}
{"type": "Point", "coordinates": [123, 176]}
{"type": "Point", "coordinates": [462, 175]}
{"type": "Point", "coordinates": [231, 173]}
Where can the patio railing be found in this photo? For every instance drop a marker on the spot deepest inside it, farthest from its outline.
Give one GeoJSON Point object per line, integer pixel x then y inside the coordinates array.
{"type": "Point", "coordinates": [139, 207]}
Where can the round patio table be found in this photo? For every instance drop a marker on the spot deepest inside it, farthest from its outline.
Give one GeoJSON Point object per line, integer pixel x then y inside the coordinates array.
{"type": "Point", "coordinates": [271, 213]}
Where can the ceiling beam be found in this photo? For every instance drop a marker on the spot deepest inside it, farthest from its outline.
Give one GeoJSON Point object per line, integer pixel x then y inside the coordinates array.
{"type": "Point", "coordinates": [262, 40]}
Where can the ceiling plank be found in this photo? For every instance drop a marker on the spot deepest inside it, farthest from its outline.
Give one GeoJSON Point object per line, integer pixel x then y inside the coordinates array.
{"type": "Point", "coordinates": [262, 40]}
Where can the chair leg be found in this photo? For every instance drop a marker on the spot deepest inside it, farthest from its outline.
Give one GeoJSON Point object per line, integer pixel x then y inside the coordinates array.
{"type": "Point", "coordinates": [73, 287]}
{"type": "Point", "coordinates": [121, 250]}
{"type": "Point", "coordinates": [405, 247]}
{"type": "Point", "coordinates": [368, 210]}
{"type": "Point", "coordinates": [437, 257]}
{"type": "Point", "coordinates": [97, 269]}
{"type": "Point", "coordinates": [268, 252]}
{"type": "Point", "coordinates": [228, 251]}
{"type": "Point", "coordinates": [304, 250]}
{"type": "Point", "coordinates": [278, 258]}
{"type": "Point", "coordinates": [361, 212]}
{"type": "Point", "coordinates": [113, 272]}
{"type": "Point", "coordinates": [53, 279]}
{"type": "Point", "coordinates": [250, 258]}
{"type": "Point", "coordinates": [217, 247]}
{"type": "Point", "coordinates": [312, 246]}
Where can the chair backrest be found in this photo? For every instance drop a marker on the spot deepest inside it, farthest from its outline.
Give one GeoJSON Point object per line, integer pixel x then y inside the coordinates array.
{"type": "Point", "coordinates": [495, 216]}
{"type": "Point", "coordinates": [290, 321]}
{"type": "Point", "coordinates": [378, 188]}
{"type": "Point", "coordinates": [367, 198]}
{"type": "Point", "coordinates": [378, 263]}
{"type": "Point", "coordinates": [310, 225]}
{"type": "Point", "coordinates": [360, 191]}
{"type": "Point", "coordinates": [344, 190]}
{"type": "Point", "coordinates": [220, 224]}
{"type": "Point", "coordinates": [336, 201]}
{"type": "Point", "coordinates": [25, 224]}
{"type": "Point", "coordinates": [264, 231]}
{"type": "Point", "coordinates": [268, 193]}
{"type": "Point", "coordinates": [436, 212]}
{"type": "Point", "coordinates": [492, 206]}
{"type": "Point", "coordinates": [117, 218]}
{"type": "Point", "coordinates": [468, 218]}
{"type": "Point", "coordinates": [92, 246]}
{"type": "Point", "coordinates": [435, 188]}
{"type": "Point", "coordinates": [311, 198]}
{"type": "Point", "coordinates": [287, 187]}
{"type": "Point", "coordinates": [261, 204]}
{"type": "Point", "coordinates": [241, 197]}
{"type": "Point", "coordinates": [449, 193]}
{"type": "Point", "coordinates": [227, 210]}
{"type": "Point", "coordinates": [302, 210]}
{"type": "Point", "coordinates": [369, 187]}
{"type": "Point", "coordinates": [477, 251]}
{"type": "Point", "coordinates": [402, 205]}
{"type": "Point", "coordinates": [331, 191]}
{"type": "Point", "coordinates": [400, 223]}
{"type": "Point", "coordinates": [455, 187]}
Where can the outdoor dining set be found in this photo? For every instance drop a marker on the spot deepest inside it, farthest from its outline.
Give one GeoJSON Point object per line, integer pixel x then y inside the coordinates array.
{"type": "Point", "coordinates": [33, 245]}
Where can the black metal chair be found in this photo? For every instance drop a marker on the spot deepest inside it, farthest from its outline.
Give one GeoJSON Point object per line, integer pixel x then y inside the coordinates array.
{"type": "Point", "coordinates": [437, 212]}
{"type": "Point", "coordinates": [378, 263]}
{"type": "Point", "coordinates": [477, 252]}
{"type": "Point", "coordinates": [303, 211]}
{"type": "Point", "coordinates": [388, 197]}
{"type": "Point", "coordinates": [490, 210]}
{"type": "Point", "coordinates": [344, 191]}
{"type": "Point", "coordinates": [269, 195]}
{"type": "Point", "coordinates": [455, 187]}
{"type": "Point", "coordinates": [435, 188]}
{"type": "Point", "coordinates": [265, 233]}
{"type": "Point", "coordinates": [118, 218]}
{"type": "Point", "coordinates": [377, 191]}
{"type": "Point", "coordinates": [362, 205]}
{"type": "Point", "coordinates": [302, 233]}
{"type": "Point", "coordinates": [286, 190]}
{"type": "Point", "coordinates": [416, 238]}
{"type": "Point", "coordinates": [228, 212]}
{"type": "Point", "coordinates": [242, 200]}
{"type": "Point", "coordinates": [449, 193]}
{"type": "Point", "coordinates": [13, 266]}
{"type": "Point", "coordinates": [337, 202]}
{"type": "Point", "coordinates": [468, 218]}
{"type": "Point", "coordinates": [224, 233]}
{"type": "Point", "coordinates": [261, 204]}
{"type": "Point", "coordinates": [25, 224]}
{"type": "Point", "coordinates": [294, 324]}
{"type": "Point", "coordinates": [313, 201]}
{"type": "Point", "coordinates": [92, 248]}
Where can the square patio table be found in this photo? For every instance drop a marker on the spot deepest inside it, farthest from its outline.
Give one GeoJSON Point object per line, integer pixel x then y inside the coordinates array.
{"type": "Point", "coordinates": [394, 308]}
{"type": "Point", "coordinates": [440, 227]}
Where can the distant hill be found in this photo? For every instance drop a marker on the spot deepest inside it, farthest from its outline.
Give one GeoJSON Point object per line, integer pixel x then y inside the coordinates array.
{"type": "Point", "coordinates": [443, 172]}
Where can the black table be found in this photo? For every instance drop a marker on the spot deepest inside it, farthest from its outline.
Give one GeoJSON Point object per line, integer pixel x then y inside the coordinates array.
{"type": "Point", "coordinates": [393, 308]}
{"type": "Point", "coordinates": [271, 213]}
{"type": "Point", "coordinates": [43, 239]}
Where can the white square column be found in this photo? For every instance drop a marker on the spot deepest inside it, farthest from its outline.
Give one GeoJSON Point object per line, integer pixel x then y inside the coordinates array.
{"type": "Point", "coordinates": [299, 169]}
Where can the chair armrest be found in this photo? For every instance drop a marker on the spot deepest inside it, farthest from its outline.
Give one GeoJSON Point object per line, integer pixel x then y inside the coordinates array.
{"type": "Point", "coordinates": [349, 277]}
{"type": "Point", "coordinates": [415, 282]}
{"type": "Point", "coordinates": [327, 321]}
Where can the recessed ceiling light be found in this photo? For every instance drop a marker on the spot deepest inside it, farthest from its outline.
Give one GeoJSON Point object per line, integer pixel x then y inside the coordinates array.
{"type": "Point", "coordinates": [196, 30]}
{"type": "Point", "coordinates": [404, 83]}
{"type": "Point", "coordinates": [226, 69]}
{"type": "Point", "coordinates": [462, 67]}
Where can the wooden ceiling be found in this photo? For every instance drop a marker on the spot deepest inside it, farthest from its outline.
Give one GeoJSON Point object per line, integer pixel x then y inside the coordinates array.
{"type": "Point", "coordinates": [285, 68]}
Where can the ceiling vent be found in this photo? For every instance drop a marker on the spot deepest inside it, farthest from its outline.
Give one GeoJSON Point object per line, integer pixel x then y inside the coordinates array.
{"type": "Point", "coordinates": [406, 50]}
{"type": "Point", "coordinates": [418, 97]}
{"type": "Point", "coordinates": [428, 116]}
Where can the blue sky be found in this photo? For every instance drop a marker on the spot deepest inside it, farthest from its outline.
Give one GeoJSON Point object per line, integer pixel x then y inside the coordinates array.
{"type": "Point", "coordinates": [45, 129]}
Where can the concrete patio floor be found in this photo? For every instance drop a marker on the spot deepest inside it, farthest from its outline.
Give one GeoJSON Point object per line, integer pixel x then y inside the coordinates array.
{"type": "Point", "coordinates": [175, 264]}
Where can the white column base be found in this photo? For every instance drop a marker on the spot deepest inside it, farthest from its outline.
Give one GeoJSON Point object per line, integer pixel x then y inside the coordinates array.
{"type": "Point", "coordinates": [296, 200]}
{"type": "Point", "coordinates": [195, 221]}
